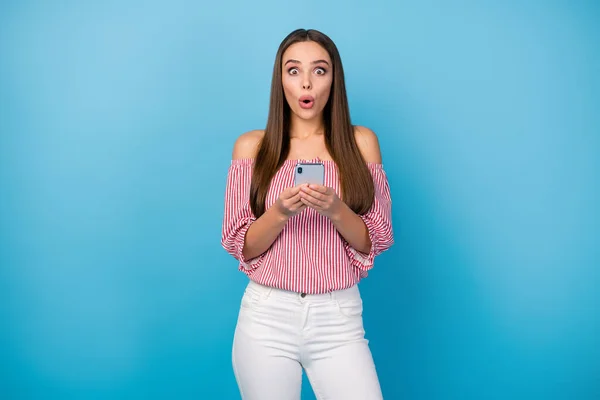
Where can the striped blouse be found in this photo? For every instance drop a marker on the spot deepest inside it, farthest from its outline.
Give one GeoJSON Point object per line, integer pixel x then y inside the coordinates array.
{"type": "Point", "coordinates": [309, 255]}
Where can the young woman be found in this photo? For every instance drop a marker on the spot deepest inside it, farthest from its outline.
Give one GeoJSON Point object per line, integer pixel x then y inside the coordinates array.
{"type": "Point", "coordinates": [305, 247]}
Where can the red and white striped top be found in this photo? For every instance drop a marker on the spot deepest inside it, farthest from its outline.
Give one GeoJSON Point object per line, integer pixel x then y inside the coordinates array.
{"type": "Point", "coordinates": [309, 255]}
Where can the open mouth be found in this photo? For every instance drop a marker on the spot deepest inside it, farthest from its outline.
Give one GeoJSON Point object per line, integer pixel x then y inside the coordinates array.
{"type": "Point", "coordinates": [307, 101]}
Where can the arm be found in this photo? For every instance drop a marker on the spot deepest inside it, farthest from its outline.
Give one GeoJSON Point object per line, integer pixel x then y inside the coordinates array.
{"type": "Point", "coordinates": [378, 220]}
{"type": "Point", "coordinates": [350, 225]}
{"type": "Point", "coordinates": [254, 236]}
{"type": "Point", "coordinates": [352, 228]}
{"type": "Point", "coordinates": [366, 235]}
{"type": "Point", "coordinates": [263, 232]}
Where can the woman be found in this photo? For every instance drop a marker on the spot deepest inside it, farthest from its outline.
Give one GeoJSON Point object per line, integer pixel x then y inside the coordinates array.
{"type": "Point", "coordinates": [305, 247]}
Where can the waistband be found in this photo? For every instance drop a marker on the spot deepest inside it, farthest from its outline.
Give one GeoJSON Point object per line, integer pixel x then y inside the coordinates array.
{"type": "Point", "coordinates": [268, 291]}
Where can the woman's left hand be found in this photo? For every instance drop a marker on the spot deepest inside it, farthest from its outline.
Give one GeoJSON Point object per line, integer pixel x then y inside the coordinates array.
{"type": "Point", "coordinates": [323, 199]}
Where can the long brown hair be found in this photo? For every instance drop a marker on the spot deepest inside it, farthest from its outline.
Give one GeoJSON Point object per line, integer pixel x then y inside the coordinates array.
{"type": "Point", "coordinates": [356, 183]}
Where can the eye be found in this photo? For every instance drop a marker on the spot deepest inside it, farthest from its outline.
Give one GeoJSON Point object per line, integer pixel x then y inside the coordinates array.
{"type": "Point", "coordinates": [293, 71]}
{"type": "Point", "coordinates": [320, 71]}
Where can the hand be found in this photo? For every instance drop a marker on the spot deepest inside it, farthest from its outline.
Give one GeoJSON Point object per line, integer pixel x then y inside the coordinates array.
{"type": "Point", "coordinates": [288, 204]}
{"type": "Point", "coordinates": [321, 198]}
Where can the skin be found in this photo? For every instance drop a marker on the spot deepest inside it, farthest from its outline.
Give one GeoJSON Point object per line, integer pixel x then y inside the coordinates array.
{"type": "Point", "coordinates": [306, 70]}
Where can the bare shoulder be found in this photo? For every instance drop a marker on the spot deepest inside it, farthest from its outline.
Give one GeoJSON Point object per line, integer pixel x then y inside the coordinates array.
{"type": "Point", "coordinates": [246, 145]}
{"type": "Point", "coordinates": [368, 144]}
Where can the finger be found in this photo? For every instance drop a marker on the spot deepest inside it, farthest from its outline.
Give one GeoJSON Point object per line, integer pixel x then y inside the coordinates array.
{"type": "Point", "coordinates": [317, 195]}
{"type": "Point", "coordinates": [294, 199]}
{"type": "Point", "coordinates": [318, 188]}
{"type": "Point", "coordinates": [288, 195]}
{"type": "Point", "coordinates": [293, 204]}
{"type": "Point", "coordinates": [313, 195]}
{"type": "Point", "coordinates": [313, 189]}
{"type": "Point", "coordinates": [291, 192]}
{"type": "Point", "coordinates": [311, 202]}
{"type": "Point", "coordinates": [298, 208]}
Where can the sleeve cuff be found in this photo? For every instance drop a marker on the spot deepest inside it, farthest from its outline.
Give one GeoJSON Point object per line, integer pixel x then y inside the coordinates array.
{"type": "Point", "coordinates": [359, 259]}
{"type": "Point", "coordinates": [252, 263]}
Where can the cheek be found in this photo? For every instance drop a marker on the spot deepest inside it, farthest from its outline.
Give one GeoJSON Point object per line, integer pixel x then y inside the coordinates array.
{"type": "Point", "coordinates": [288, 89]}
{"type": "Point", "coordinates": [325, 90]}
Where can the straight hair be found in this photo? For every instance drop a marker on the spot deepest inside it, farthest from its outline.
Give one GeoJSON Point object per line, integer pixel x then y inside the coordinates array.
{"type": "Point", "coordinates": [356, 183]}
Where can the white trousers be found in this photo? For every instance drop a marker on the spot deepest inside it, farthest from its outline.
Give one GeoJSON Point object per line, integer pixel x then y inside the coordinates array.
{"type": "Point", "coordinates": [279, 333]}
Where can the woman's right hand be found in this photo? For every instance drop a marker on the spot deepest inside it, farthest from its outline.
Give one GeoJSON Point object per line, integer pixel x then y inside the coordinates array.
{"type": "Point", "coordinates": [289, 203]}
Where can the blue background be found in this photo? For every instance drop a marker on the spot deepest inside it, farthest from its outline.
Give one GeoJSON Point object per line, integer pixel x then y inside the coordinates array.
{"type": "Point", "coordinates": [117, 123]}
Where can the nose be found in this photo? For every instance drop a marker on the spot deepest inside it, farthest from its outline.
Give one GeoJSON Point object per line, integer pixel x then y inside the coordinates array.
{"type": "Point", "coordinates": [306, 84]}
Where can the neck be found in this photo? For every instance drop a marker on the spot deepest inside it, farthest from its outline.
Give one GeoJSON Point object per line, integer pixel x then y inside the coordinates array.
{"type": "Point", "coordinates": [303, 129]}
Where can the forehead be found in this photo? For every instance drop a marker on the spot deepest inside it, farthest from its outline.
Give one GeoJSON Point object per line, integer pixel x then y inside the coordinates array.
{"type": "Point", "coordinates": [305, 52]}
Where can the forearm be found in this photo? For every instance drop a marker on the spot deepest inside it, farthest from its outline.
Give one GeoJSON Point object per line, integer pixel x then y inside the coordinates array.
{"type": "Point", "coordinates": [263, 232]}
{"type": "Point", "coordinates": [352, 228]}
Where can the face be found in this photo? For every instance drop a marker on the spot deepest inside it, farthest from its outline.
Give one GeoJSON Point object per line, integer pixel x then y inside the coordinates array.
{"type": "Point", "coordinates": [307, 75]}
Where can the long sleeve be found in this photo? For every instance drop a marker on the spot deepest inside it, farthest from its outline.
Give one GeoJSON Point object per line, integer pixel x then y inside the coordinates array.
{"type": "Point", "coordinates": [378, 221]}
{"type": "Point", "coordinates": [237, 213]}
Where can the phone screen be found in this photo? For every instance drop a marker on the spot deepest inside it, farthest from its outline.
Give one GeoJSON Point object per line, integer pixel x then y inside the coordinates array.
{"type": "Point", "coordinates": [309, 173]}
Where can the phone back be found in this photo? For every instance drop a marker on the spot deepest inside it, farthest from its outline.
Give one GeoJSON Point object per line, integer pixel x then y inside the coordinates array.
{"type": "Point", "coordinates": [309, 173]}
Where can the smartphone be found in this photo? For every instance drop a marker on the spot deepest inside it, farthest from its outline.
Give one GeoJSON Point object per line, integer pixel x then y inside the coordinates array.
{"type": "Point", "coordinates": [309, 173]}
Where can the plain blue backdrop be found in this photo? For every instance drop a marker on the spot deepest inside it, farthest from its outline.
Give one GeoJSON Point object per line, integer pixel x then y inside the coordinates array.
{"type": "Point", "coordinates": [117, 121]}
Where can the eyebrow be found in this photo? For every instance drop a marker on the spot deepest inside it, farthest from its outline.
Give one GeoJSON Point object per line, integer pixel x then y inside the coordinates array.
{"type": "Point", "coordinates": [298, 62]}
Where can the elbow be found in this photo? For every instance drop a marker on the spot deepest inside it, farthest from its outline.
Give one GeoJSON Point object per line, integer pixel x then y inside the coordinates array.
{"type": "Point", "coordinates": [367, 246]}
{"type": "Point", "coordinates": [247, 254]}
{"type": "Point", "coordinates": [248, 250]}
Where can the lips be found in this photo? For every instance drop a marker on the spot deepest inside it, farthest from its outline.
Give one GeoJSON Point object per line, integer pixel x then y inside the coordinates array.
{"type": "Point", "coordinates": [306, 102]}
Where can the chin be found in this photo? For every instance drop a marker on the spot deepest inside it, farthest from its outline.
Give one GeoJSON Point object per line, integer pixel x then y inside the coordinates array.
{"type": "Point", "coordinates": [308, 115]}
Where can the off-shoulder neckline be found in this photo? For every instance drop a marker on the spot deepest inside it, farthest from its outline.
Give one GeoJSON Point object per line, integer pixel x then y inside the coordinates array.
{"type": "Point", "coordinates": [250, 161]}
